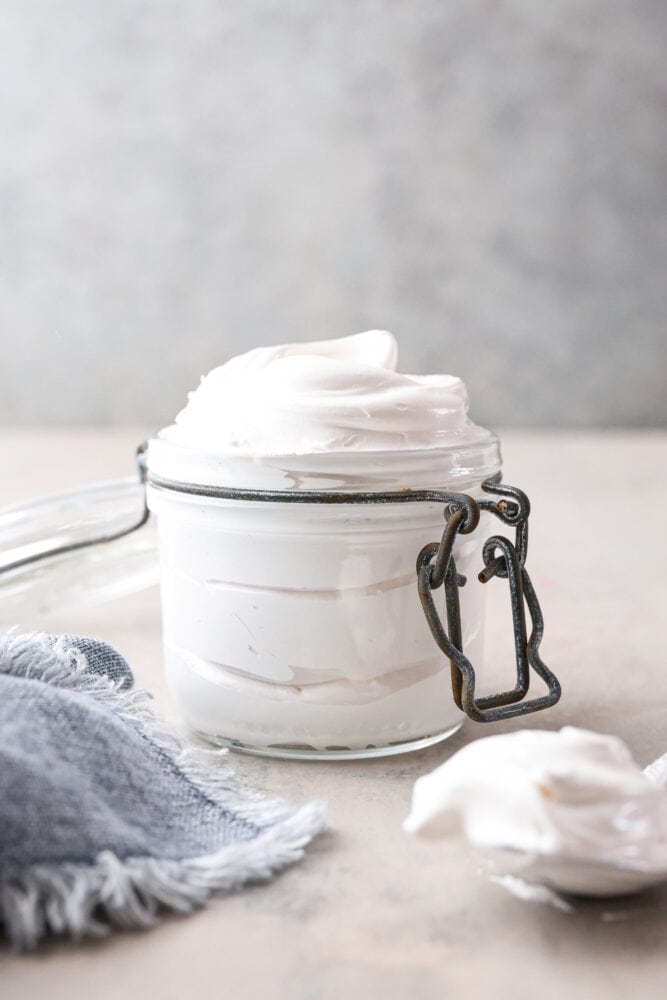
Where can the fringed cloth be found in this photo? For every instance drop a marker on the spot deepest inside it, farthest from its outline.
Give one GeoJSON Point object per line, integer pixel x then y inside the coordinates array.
{"type": "Point", "coordinates": [107, 818]}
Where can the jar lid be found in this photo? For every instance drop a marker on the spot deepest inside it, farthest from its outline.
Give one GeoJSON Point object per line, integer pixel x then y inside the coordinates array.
{"type": "Point", "coordinates": [51, 557]}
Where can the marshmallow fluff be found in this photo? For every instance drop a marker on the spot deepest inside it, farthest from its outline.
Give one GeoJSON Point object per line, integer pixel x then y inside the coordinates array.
{"type": "Point", "coordinates": [577, 806]}
{"type": "Point", "coordinates": [298, 627]}
{"type": "Point", "coordinates": [332, 395]}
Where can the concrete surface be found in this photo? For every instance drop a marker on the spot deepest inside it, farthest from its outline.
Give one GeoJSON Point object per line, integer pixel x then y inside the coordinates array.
{"type": "Point", "coordinates": [371, 913]}
{"type": "Point", "coordinates": [183, 181]}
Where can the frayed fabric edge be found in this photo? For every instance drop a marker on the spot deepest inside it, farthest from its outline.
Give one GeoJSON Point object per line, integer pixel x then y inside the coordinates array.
{"type": "Point", "coordinates": [89, 900]}
{"type": "Point", "coordinates": [34, 656]}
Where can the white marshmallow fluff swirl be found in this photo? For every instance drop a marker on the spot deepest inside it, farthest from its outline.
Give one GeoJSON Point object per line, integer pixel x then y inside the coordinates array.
{"type": "Point", "coordinates": [326, 396]}
{"type": "Point", "coordinates": [574, 802]}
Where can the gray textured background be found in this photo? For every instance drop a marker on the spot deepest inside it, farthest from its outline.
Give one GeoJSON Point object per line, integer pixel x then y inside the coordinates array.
{"type": "Point", "coordinates": [180, 181]}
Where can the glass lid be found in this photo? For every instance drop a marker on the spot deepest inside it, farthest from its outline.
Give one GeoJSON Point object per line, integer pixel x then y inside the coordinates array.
{"type": "Point", "coordinates": [81, 547]}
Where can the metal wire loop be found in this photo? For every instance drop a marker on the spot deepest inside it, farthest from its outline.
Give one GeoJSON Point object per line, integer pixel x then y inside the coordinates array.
{"type": "Point", "coordinates": [436, 567]}
{"type": "Point", "coordinates": [513, 511]}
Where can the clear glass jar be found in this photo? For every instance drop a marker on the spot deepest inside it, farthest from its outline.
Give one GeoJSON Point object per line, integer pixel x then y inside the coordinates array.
{"type": "Point", "coordinates": [296, 629]}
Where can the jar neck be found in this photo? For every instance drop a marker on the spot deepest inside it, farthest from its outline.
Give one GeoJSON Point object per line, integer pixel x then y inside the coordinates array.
{"type": "Point", "coordinates": [457, 465]}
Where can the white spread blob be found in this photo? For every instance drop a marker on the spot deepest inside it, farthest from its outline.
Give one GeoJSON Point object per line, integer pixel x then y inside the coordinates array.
{"type": "Point", "coordinates": [574, 800]}
{"type": "Point", "coordinates": [325, 396]}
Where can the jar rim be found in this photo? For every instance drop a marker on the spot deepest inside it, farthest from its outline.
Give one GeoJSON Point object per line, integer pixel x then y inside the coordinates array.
{"type": "Point", "coordinates": [468, 460]}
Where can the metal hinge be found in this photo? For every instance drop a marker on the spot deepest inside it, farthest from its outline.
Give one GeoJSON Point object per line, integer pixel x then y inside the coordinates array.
{"type": "Point", "coordinates": [436, 567]}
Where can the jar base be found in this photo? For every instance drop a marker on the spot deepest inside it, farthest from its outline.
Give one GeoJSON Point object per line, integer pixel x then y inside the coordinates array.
{"type": "Point", "coordinates": [298, 752]}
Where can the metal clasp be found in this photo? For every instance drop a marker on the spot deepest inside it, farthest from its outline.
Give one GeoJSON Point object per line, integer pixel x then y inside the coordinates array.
{"type": "Point", "coordinates": [436, 567]}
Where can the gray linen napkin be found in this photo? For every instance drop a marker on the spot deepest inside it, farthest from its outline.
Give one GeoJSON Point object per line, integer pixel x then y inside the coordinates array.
{"type": "Point", "coordinates": [107, 818]}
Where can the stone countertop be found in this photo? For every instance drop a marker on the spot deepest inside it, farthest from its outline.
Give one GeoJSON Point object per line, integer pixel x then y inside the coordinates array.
{"type": "Point", "coordinates": [370, 912]}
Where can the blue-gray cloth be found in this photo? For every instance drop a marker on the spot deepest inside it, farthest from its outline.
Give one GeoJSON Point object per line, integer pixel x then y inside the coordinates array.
{"type": "Point", "coordinates": [105, 817]}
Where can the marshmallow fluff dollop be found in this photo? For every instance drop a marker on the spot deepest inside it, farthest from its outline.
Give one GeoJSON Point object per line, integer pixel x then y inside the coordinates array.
{"type": "Point", "coordinates": [342, 395]}
{"type": "Point", "coordinates": [575, 796]}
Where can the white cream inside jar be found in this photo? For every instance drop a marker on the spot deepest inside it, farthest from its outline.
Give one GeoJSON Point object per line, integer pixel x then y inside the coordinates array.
{"type": "Point", "coordinates": [296, 628]}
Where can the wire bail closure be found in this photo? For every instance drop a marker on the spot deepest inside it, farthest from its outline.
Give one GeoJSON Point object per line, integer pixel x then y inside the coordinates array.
{"type": "Point", "coordinates": [436, 567]}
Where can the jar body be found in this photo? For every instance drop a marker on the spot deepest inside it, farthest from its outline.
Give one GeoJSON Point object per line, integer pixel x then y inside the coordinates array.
{"type": "Point", "coordinates": [296, 629]}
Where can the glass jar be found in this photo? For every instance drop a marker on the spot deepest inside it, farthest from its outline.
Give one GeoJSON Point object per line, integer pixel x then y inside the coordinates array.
{"type": "Point", "coordinates": [292, 619]}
